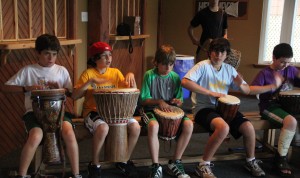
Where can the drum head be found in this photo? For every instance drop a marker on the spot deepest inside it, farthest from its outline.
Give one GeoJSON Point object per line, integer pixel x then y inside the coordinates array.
{"type": "Point", "coordinates": [50, 92]}
{"type": "Point", "coordinates": [116, 90]}
{"type": "Point", "coordinates": [229, 99]}
{"type": "Point", "coordinates": [290, 92]}
{"type": "Point", "coordinates": [176, 113]}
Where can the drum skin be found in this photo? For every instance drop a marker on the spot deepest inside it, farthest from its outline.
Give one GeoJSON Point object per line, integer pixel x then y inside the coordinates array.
{"type": "Point", "coordinates": [116, 107]}
{"type": "Point", "coordinates": [48, 108]}
{"type": "Point", "coordinates": [228, 106]}
{"type": "Point", "coordinates": [290, 101]}
{"type": "Point", "coordinates": [169, 122]}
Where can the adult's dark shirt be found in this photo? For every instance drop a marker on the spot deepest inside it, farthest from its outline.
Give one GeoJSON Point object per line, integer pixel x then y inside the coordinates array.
{"type": "Point", "coordinates": [213, 24]}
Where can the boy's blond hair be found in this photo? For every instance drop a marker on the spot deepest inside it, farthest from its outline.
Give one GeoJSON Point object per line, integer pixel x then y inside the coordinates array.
{"type": "Point", "coordinates": [165, 55]}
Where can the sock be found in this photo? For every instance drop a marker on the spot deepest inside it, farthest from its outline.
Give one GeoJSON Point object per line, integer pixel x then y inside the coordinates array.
{"type": "Point", "coordinates": [250, 159]}
{"type": "Point", "coordinates": [204, 163]}
{"type": "Point", "coordinates": [284, 141]}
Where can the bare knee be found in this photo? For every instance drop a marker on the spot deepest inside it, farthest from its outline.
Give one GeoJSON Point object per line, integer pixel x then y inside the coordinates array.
{"type": "Point", "coordinates": [134, 128]}
{"type": "Point", "coordinates": [101, 130]}
{"type": "Point", "coordinates": [153, 127]}
{"type": "Point", "coordinates": [290, 123]}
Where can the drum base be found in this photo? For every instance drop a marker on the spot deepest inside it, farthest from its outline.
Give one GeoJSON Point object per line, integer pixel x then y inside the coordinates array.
{"type": "Point", "coordinates": [51, 150]}
{"type": "Point", "coordinates": [116, 144]}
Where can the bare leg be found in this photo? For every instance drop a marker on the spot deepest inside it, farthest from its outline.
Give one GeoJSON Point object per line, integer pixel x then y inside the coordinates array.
{"type": "Point", "coordinates": [98, 141]}
{"type": "Point", "coordinates": [286, 135]}
{"type": "Point", "coordinates": [221, 130]}
{"type": "Point", "coordinates": [133, 136]}
{"type": "Point", "coordinates": [34, 139]}
{"type": "Point", "coordinates": [153, 142]}
{"type": "Point", "coordinates": [248, 132]}
{"type": "Point", "coordinates": [71, 145]}
{"type": "Point", "coordinates": [184, 138]}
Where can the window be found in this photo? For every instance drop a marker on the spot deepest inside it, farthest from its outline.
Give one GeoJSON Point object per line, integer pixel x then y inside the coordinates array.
{"type": "Point", "coordinates": [280, 24]}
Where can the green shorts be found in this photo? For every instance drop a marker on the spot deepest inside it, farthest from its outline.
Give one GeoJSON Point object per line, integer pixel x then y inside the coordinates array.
{"type": "Point", "coordinates": [275, 115]}
{"type": "Point", "coordinates": [31, 121]}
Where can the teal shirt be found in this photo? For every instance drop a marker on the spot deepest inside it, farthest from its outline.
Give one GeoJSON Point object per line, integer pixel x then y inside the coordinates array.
{"type": "Point", "coordinates": [165, 87]}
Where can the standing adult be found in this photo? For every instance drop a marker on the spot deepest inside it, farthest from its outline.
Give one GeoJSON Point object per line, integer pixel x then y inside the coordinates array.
{"type": "Point", "coordinates": [213, 21]}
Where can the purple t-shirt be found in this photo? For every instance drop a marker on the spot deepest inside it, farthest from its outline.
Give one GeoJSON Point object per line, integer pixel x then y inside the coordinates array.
{"type": "Point", "coordinates": [266, 77]}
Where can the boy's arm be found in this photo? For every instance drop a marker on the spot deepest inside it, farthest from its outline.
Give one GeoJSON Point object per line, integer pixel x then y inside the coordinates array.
{"type": "Point", "coordinates": [79, 91]}
{"type": "Point", "coordinates": [164, 106]}
{"type": "Point", "coordinates": [194, 87]}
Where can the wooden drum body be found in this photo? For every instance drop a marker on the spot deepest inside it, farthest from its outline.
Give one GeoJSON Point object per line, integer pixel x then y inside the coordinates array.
{"type": "Point", "coordinates": [116, 106]}
{"type": "Point", "coordinates": [290, 101]}
{"type": "Point", "coordinates": [48, 108]}
{"type": "Point", "coordinates": [228, 106]}
{"type": "Point", "coordinates": [169, 122]}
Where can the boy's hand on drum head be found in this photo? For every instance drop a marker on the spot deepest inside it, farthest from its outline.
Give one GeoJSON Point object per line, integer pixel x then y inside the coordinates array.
{"type": "Point", "coordinates": [130, 80]}
{"type": "Point", "coordinates": [164, 106]}
{"type": "Point", "coordinates": [176, 101]}
{"type": "Point", "coordinates": [52, 85]}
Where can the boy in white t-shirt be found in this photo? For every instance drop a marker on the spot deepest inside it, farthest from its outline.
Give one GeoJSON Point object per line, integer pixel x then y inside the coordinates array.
{"type": "Point", "coordinates": [27, 80]}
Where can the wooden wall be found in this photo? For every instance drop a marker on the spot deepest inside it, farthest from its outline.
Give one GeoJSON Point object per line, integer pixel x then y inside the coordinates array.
{"type": "Point", "coordinates": [22, 21]}
{"type": "Point", "coordinates": [104, 16]}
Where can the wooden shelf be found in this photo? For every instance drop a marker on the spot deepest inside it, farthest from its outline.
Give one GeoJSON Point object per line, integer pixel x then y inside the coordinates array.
{"type": "Point", "coordinates": [135, 37]}
{"type": "Point", "coordinates": [114, 38]}
{"type": "Point", "coordinates": [6, 47]}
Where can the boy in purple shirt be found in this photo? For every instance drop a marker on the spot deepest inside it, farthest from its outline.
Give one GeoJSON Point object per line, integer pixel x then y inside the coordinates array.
{"type": "Point", "coordinates": [279, 76]}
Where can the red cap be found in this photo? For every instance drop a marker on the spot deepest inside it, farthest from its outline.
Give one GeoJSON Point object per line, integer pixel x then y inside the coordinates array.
{"type": "Point", "coordinates": [98, 47]}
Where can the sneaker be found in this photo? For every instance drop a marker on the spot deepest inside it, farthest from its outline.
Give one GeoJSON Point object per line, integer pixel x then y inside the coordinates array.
{"type": "Point", "coordinates": [76, 176]}
{"type": "Point", "coordinates": [204, 171]}
{"type": "Point", "coordinates": [94, 171]}
{"type": "Point", "coordinates": [176, 169]}
{"type": "Point", "coordinates": [254, 168]}
{"type": "Point", "coordinates": [156, 171]}
{"type": "Point", "coordinates": [128, 169]}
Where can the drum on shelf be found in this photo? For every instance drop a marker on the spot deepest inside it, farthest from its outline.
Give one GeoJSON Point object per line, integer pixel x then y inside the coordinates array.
{"type": "Point", "coordinates": [48, 108]}
{"type": "Point", "coordinates": [116, 107]}
{"type": "Point", "coordinates": [169, 122]}
{"type": "Point", "coordinates": [228, 106]}
{"type": "Point", "coordinates": [290, 101]}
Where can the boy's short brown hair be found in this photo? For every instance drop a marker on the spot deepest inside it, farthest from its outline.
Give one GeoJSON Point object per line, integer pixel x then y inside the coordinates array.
{"type": "Point", "coordinates": [165, 55]}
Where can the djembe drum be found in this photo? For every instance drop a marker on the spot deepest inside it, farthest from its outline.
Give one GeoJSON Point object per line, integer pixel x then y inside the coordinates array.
{"type": "Point", "coordinates": [48, 108]}
{"type": "Point", "coordinates": [290, 101]}
{"type": "Point", "coordinates": [228, 106]}
{"type": "Point", "coordinates": [116, 107]}
{"type": "Point", "coordinates": [169, 122]}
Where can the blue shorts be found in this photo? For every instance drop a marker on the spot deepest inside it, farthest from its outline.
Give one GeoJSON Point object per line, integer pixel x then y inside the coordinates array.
{"type": "Point", "coordinates": [206, 115]}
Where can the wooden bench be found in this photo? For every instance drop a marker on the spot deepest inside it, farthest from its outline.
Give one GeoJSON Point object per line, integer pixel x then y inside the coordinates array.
{"type": "Point", "coordinates": [267, 140]}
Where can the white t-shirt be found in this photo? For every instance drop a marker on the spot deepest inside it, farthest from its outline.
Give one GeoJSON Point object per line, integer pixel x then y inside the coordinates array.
{"type": "Point", "coordinates": [29, 75]}
{"type": "Point", "coordinates": [206, 76]}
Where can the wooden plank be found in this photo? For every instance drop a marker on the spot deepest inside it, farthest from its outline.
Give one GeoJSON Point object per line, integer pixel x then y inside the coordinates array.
{"type": "Point", "coordinates": [31, 44]}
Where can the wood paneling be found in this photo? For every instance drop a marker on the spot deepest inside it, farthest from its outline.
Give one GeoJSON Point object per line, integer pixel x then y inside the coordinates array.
{"type": "Point", "coordinates": [109, 14]}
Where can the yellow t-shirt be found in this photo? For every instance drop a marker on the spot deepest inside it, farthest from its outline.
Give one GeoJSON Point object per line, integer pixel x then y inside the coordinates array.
{"type": "Point", "coordinates": [115, 78]}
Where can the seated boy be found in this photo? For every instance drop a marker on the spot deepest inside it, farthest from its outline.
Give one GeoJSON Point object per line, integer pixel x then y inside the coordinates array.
{"type": "Point", "coordinates": [161, 88]}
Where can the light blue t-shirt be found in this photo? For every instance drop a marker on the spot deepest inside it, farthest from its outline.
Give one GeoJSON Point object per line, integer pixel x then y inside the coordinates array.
{"type": "Point", "coordinates": [206, 76]}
